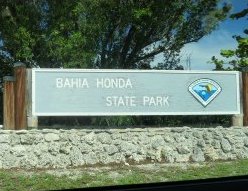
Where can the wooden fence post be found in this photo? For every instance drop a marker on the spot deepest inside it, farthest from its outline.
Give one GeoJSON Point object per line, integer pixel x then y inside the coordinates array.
{"type": "Point", "coordinates": [8, 103]}
{"type": "Point", "coordinates": [32, 121]}
{"type": "Point", "coordinates": [245, 97]}
{"type": "Point", "coordinates": [20, 96]}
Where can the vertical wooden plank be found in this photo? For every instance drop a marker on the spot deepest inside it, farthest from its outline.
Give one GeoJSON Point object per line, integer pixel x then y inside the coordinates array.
{"type": "Point", "coordinates": [9, 103]}
{"type": "Point", "coordinates": [20, 96]}
{"type": "Point", "coordinates": [245, 97]}
{"type": "Point", "coordinates": [32, 121]}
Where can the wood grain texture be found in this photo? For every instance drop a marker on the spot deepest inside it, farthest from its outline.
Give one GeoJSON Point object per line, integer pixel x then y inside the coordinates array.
{"type": "Point", "coordinates": [20, 97]}
{"type": "Point", "coordinates": [9, 105]}
{"type": "Point", "coordinates": [245, 97]}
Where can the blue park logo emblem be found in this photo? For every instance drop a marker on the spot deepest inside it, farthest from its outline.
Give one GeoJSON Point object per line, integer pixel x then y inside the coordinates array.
{"type": "Point", "coordinates": [204, 90]}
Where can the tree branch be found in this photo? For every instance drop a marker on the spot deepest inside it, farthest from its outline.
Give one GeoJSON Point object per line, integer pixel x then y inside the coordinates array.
{"type": "Point", "coordinates": [127, 43]}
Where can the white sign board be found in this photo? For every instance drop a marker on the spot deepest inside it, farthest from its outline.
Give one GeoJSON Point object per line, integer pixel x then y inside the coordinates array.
{"type": "Point", "coordinates": [82, 92]}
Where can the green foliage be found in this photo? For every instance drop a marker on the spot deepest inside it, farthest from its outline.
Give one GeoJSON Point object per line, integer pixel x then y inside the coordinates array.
{"type": "Point", "coordinates": [240, 14]}
{"type": "Point", "coordinates": [113, 121]}
{"type": "Point", "coordinates": [22, 38]}
{"type": "Point", "coordinates": [227, 53]}
{"type": "Point", "coordinates": [120, 34]}
{"type": "Point", "coordinates": [117, 175]}
{"type": "Point", "coordinates": [235, 59]}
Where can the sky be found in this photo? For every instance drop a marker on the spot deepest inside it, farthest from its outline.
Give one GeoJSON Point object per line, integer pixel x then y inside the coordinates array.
{"type": "Point", "coordinates": [202, 51]}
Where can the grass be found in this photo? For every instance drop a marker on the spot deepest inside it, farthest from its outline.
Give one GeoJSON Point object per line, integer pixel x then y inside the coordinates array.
{"type": "Point", "coordinates": [88, 177]}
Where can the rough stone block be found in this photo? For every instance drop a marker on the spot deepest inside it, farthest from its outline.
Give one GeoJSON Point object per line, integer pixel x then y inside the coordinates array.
{"type": "Point", "coordinates": [65, 148]}
{"type": "Point", "coordinates": [198, 155]}
{"type": "Point", "coordinates": [63, 161]}
{"type": "Point", "coordinates": [85, 148]}
{"type": "Point", "coordinates": [197, 134]}
{"type": "Point", "coordinates": [76, 157]}
{"type": "Point", "coordinates": [38, 138]}
{"type": "Point", "coordinates": [242, 153]}
{"type": "Point", "coordinates": [211, 154]}
{"type": "Point", "coordinates": [182, 158]}
{"type": "Point", "coordinates": [18, 150]}
{"type": "Point", "coordinates": [29, 161]}
{"type": "Point", "coordinates": [104, 138]}
{"type": "Point", "coordinates": [179, 138]}
{"type": "Point", "coordinates": [138, 158]}
{"type": "Point", "coordinates": [183, 149]}
{"type": "Point", "coordinates": [51, 137]}
{"type": "Point", "coordinates": [216, 144]}
{"type": "Point", "coordinates": [45, 160]}
{"type": "Point", "coordinates": [54, 148]}
{"type": "Point", "coordinates": [89, 138]}
{"type": "Point", "coordinates": [27, 139]}
{"type": "Point", "coordinates": [74, 139]}
{"type": "Point", "coordinates": [10, 161]}
{"type": "Point", "coordinates": [226, 146]}
{"type": "Point", "coordinates": [90, 158]}
{"type": "Point", "coordinates": [5, 138]}
{"type": "Point", "coordinates": [15, 139]}
{"type": "Point", "coordinates": [128, 148]}
{"type": "Point", "coordinates": [111, 149]}
{"type": "Point", "coordinates": [144, 139]}
{"type": "Point", "coordinates": [246, 142]}
{"type": "Point", "coordinates": [168, 138]}
{"type": "Point", "coordinates": [104, 158]}
{"type": "Point", "coordinates": [201, 143]}
{"type": "Point", "coordinates": [5, 147]}
{"type": "Point", "coordinates": [157, 142]}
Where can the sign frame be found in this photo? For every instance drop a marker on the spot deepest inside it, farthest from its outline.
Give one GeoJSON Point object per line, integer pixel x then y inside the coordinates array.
{"type": "Point", "coordinates": [236, 73]}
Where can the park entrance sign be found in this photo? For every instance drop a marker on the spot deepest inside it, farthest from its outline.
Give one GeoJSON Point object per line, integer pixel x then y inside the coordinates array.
{"type": "Point", "coordinates": [76, 92]}
{"type": "Point", "coordinates": [31, 93]}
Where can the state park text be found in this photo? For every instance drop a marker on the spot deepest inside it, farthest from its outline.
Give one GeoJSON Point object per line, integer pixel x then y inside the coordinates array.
{"type": "Point", "coordinates": [113, 83]}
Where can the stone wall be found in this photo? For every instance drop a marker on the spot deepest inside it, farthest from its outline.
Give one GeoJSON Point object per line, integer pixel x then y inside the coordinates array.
{"type": "Point", "coordinates": [68, 148]}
